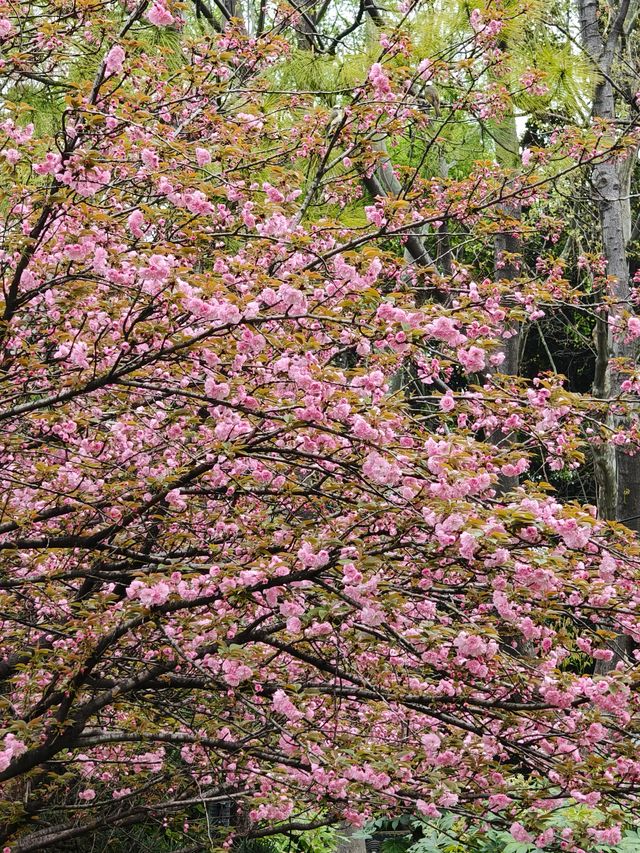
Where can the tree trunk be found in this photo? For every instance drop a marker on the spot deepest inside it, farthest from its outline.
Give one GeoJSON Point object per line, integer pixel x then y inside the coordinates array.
{"type": "Point", "coordinates": [507, 252]}
{"type": "Point", "coordinates": [349, 844]}
{"type": "Point", "coordinates": [617, 473]}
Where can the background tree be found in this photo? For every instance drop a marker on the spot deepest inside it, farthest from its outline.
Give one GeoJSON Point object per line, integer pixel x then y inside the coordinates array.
{"type": "Point", "coordinates": [237, 565]}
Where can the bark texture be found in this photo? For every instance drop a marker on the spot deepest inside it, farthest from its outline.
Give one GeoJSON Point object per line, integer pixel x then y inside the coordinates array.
{"type": "Point", "coordinates": [617, 473]}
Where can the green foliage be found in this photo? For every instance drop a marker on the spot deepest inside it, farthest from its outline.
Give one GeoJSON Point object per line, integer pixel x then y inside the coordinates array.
{"type": "Point", "coordinates": [451, 834]}
{"type": "Point", "coordinates": [394, 845]}
{"type": "Point", "coordinates": [167, 40]}
{"type": "Point", "coordinates": [257, 845]}
{"type": "Point", "coordinates": [630, 842]}
{"type": "Point", "coordinates": [323, 839]}
{"type": "Point", "coordinates": [151, 836]}
{"type": "Point", "coordinates": [41, 105]}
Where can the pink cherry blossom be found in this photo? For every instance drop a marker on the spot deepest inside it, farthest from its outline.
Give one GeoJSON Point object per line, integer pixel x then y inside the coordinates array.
{"type": "Point", "coordinates": [135, 221]}
{"type": "Point", "coordinates": [203, 156]}
{"type": "Point", "coordinates": [12, 748]}
{"type": "Point", "coordinates": [279, 512]}
{"type": "Point", "coordinates": [114, 60]}
{"type": "Point", "coordinates": [159, 15]}
{"type": "Point", "coordinates": [313, 559]}
{"type": "Point", "coordinates": [447, 402]}
{"type": "Point", "coordinates": [234, 672]}
{"type": "Point", "coordinates": [283, 705]}
{"type": "Point", "coordinates": [472, 359]}
{"type": "Point", "coordinates": [519, 833]}
{"type": "Point", "coordinates": [633, 327]}
{"type": "Point", "coordinates": [11, 155]}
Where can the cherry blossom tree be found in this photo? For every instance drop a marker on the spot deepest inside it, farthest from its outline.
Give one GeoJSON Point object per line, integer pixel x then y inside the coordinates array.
{"type": "Point", "coordinates": [276, 528]}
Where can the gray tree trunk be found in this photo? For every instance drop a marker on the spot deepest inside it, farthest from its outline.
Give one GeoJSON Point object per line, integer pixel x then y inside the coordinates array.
{"type": "Point", "coordinates": [507, 251]}
{"type": "Point", "coordinates": [617, 473]}
{"type": "Point", "coordinates": [349, 844]}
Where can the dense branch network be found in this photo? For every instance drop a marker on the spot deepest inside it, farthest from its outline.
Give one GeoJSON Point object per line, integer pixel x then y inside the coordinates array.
{"type": "Point", "coordinates": [240, 559]}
